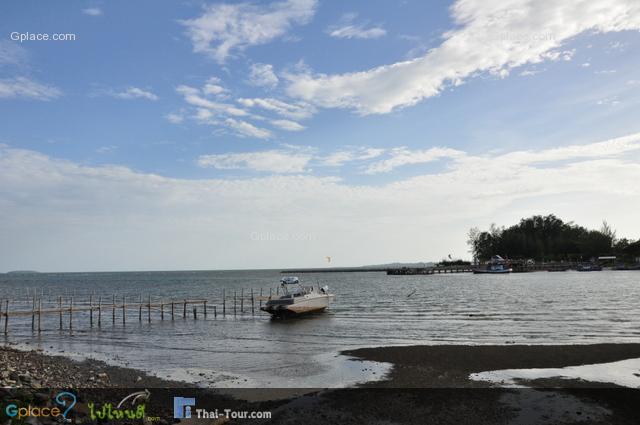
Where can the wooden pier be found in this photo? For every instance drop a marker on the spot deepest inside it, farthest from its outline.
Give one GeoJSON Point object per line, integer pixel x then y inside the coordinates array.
{"type": "Point", "coordinates": [69, 311]}
{"type": "Point", "coordinates": [430, 270]}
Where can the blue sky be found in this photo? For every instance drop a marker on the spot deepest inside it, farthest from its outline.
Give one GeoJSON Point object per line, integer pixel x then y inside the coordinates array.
{"type": "Point", "coordinates": [363, 104]}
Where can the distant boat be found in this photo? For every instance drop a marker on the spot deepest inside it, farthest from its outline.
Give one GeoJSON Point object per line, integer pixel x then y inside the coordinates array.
{"type": "Point", "coordinates": [627, 267]}
{"type": "Point", "coordinates": [589, 268]}
{"type": "Point", "coordinates": [297, 299]}
{"type": "Point", "coordinates": [494, 269]}
{"type": "Point", "coordinates": [497, 265]}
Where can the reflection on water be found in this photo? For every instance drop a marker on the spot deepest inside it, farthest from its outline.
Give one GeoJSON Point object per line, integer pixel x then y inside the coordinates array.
{"type": "Point", "coordinates": [370, 309]}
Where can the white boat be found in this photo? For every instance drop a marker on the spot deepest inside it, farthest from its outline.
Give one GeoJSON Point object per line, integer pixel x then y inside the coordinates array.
{"type": "Point", "coordinates": [297, 299]}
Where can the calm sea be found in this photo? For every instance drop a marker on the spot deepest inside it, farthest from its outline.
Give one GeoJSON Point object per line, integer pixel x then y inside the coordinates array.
{"type": "Point", "coordinates": [371, 309]}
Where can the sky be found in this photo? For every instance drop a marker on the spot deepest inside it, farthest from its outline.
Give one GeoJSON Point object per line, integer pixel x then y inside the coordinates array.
{"type": "Point", "coordinates": [230, 135]}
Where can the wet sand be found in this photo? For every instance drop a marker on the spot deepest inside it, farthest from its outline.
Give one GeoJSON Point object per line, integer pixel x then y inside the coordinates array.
{"type": "Point", "coordinates": [449, 366]}
{"type": "Point", "coordinates": [428, 384]}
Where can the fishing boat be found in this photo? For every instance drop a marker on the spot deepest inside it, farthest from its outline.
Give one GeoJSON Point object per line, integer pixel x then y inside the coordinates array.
{"type": "Point", "coordinates": [297, 299]}
{"type": "Point", "coordinates": [497, 265]}
{"type": "Point", "coordinates": [589, 267]}
{"type": "Point", "coordinates": [493, 269]}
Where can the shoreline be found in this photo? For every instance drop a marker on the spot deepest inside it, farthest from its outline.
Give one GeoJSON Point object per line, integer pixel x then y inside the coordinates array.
{"type": "Point", "coordinates": [425, 382]}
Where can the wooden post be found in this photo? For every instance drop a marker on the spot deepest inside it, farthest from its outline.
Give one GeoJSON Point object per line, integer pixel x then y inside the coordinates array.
{"type": "Point", "coordinates": [224, 304]}
{"type": "Point", "coordinates": [60, 310]}
{"type": "Point", "coordinates": [140, 309]}
{"type": "Point", "coordinates": [172, 305]}
{"type": "Point", "coordinates": [124, 311]}
{"type": "Point", "coordinates": [161, 310]}
{"type": "Point", "coordinates": [71, 314]}
{"type": "Point", "coordinates": [113, 310]}
{"type": "Point", "coordinates": [6, 316]}
{"type": "Point", "coordinates": [205, 308]}
{"type": "Point", "coordinates": [91, 310]}
{"type": "Point", "coordinates": [241, 300]}
{"type": "Point", "coordinates": [184, 310]}
{"type": "Point", "coordinates": [260, 298]}
{"type": "Point", "coordinates": [252, 302]}
{"type": "Point", "coordinates": [99, 310]}
{"type": "Point", "coordinates": [195, 310]}
{"type": "Point", "coordinates": [234, 302]}
{"type": "Point", "coordinates": [270, 290]}
{"type": "Point", "coordinates": [33, 313]}
{"type": "Point", "coordinates": [39, 313]}
{"type": "Point", "coordinates": [149, 310]}
{"type": "Point", "coordinates": [215, 313]}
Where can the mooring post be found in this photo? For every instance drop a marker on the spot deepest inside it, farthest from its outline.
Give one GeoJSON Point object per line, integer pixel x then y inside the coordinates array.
{"type": "Point", "coordinates": [224, 304]}
{"type": "Point", "coordinates": [6, 316]}
{"type": "Point", "coordinates": [124, 311]}
{"type": "Point", "coordinates": [161, 310]}
{"type": "Point", "coordinates": [71, 314]}
{"type": "Point", "coordinates": [195, 312]}
{"type": "Point", "coordinates": [234, 302]}
{"type": "Point", "coordinates": [205, 308]}
{"type": "Point", "coordinates": [184, 310]}
{"type": "Point", "coordinates": [39, 312]}
{"type": "Point", "coordinates": [113, 310]}
{"type": "Point", "coordinates": [149, 310]}
{"type": "Point", "coordinates": [33, 312]}
{"type": "Point", "coordinates": [260, 298]}
{"type": "Point", "coordinates": [215, 313]}
{"type": "Point", "coordinates": [241, 300]}
{"type": "Point", "coordinates": [60, 310]}
{"type": "Point", "coordinates": [270, 292]}
{"type": "Point", "coordinates": [91, 310]}
{"type": "Point", "coordinates": [252, 301]}
{"type": "Point", "coordinates": [140, 309]}
{"type": "Point", "coordinates": [99, 311]}
{"type": "Point", "coordinates": [172, 305]}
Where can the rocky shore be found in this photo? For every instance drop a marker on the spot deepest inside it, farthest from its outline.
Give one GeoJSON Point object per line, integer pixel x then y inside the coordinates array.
{"type": "Point", "coordinates": [34, 369]}
{"type": "Point", "coordinates": [427, 384]}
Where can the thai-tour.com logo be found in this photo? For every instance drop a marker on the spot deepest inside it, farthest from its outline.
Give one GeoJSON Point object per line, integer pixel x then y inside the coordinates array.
{"type": "Point", "coordinates": [185, 408]}
{"type": "Point", "coordinates": [64, 400]}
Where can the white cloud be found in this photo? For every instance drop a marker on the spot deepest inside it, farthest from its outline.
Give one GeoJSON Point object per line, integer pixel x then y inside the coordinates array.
{"type": "Point", "coordinates": [60, 213]}
{"type": "Point", "coordinates": [174, 117]}
{"type": "Point", "coordinates": [350, 29]}
{"type": "Point", "coordinates": [223, 28]}
{"type": "Point", "coordinates": [272, 161]}
{"type": "Point", "coordinates": [11, 53]}
{"type": "Point", "coordinates": [213, 87]}
{"type": "Point", "coordinates": [22, 87]}
{"type": "Point", "coordinates": [491, 36]}
{"type": "Point", "coordinates": [403, 156]}
{"type": "Point", "coordinates": [287, 125]}
{"type": "Point", "coordinates": [92, 11]}
{"type": "Point", "coordinates": [262, 75]}
{"type": "Point", "coordinates": [341, 157]}
{"type": "Point", "coordinates": [244, 128]}
{"type": "Point", "coordinates": [298, 110]}
{"type": "Point", "coordinates": [134, 93]}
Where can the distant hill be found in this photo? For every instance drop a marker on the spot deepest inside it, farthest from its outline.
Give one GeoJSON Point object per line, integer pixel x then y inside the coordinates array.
{"type": "Point", "coordinates": [22, 272]}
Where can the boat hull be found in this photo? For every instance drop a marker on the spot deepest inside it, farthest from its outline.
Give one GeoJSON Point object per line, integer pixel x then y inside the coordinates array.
{"type": "Point", "coordinates": [504, 271]}
{"type": "Point", "coordinates": [298, 307]}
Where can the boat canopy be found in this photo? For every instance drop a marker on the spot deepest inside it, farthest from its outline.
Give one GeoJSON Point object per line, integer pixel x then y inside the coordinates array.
{"type": "Point", "coordinates": [290, 280]}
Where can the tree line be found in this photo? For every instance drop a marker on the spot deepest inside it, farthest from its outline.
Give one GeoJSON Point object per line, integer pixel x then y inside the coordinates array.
{"type": "Point", "coordinates": [548, 238]}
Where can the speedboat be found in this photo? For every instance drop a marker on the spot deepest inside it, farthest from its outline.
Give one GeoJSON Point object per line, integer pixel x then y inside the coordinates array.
{"type": "Point", "coordinates": [297, 299]}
